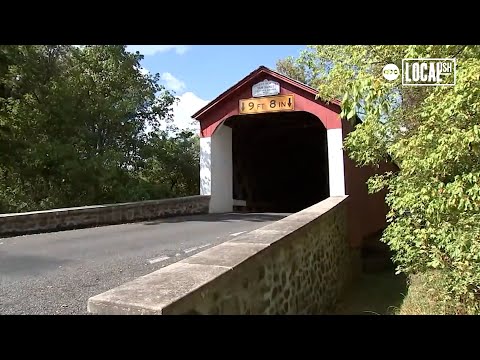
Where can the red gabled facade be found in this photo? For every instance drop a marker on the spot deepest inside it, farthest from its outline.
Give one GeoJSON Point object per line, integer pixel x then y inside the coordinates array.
{"type": "Point", "coordinates": [226, 104]}
{"type": "Point", "coordinates": [366, 212]}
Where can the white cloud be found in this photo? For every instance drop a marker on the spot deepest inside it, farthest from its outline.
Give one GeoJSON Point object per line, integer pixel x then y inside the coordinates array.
{"type": "Point", "coordinates": [144, 71]}
{"type": "Point", "coordinates": [172, 83]}
{"type": "Point", "coordinates": [154, 49]}
{"type": "Point", "coordinates": [188, 104]}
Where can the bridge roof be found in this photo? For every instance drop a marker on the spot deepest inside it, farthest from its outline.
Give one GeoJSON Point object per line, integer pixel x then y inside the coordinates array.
{"type": "Point", "coordinates": [227, 103]}
{"type": "Point", "coordinates": [254, 74]}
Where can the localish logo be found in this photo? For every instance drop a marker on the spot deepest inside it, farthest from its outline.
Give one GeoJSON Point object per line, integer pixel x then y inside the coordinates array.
{"type": "Point", "coordinates": [391, 72]}
{"type": "Point", "coordinates": [429, 72]}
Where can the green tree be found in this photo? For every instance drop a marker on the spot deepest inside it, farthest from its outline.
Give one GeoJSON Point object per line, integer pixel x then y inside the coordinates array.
{"type": "Point", "coordinates": [293, 69]}
{"type": "Point", "coordinates": [73, 125]}
{"type": "Point", "coordinates": [433, 135]}
{"type": "Point", "coordinates": [174, 162]}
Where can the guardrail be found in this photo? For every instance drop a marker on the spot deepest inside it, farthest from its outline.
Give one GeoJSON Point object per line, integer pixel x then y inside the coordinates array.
{"type": "Point", "coordinates": [298, 265]}
{"type": "Point", "coordinates": [97, 215]}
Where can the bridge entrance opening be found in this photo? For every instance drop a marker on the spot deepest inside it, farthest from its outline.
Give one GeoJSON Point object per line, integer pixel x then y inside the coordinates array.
{"type": "Point", "coordinates": [279, 160]}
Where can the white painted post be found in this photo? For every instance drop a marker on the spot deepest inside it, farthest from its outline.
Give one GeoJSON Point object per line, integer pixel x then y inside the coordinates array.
{"type": "Point", "coordinates": [221, 171]}
{"type": "Point", "coordinates": [336, 173]}
{"type": "Point", "coordinates": [205, 166]}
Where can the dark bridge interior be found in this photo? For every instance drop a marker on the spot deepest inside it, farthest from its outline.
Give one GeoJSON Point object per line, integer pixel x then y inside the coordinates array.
{"type": "Point", "coordinates": [280, 161]}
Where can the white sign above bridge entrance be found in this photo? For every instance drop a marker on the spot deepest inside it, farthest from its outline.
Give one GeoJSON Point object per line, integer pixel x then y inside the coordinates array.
{"type": "Point", "coordinates": [266, 88]}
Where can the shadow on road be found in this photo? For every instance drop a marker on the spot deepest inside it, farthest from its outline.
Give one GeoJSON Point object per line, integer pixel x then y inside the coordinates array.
{"type": "Point", "coordinates": [226, 217]}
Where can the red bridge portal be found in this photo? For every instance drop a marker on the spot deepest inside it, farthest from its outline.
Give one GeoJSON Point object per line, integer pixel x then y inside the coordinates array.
{"type": "Point", "coordinates": [268, 145]}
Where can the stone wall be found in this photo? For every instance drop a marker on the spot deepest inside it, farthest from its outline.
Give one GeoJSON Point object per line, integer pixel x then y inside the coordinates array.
{"type": "Point", "coordinates": [90, 216]}
{"type": "Point", "coordinates": [298, 265]}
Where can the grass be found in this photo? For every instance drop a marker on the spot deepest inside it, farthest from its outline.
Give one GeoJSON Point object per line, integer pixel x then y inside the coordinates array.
{"type": "Point", "coordinates": [427, 296]}
{"type": "Point", "coordinates": [379, 293]}
{"type": "Point", "coordinates": [384, 293]}
{"type": "Point", "coordinates": [423, 296]}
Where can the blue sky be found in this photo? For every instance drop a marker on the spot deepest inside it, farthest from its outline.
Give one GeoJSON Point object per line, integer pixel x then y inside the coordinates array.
{"type": "Point", "coordinates": [199, 73]}
{"type": "Point", "coordinates": [208, 70]}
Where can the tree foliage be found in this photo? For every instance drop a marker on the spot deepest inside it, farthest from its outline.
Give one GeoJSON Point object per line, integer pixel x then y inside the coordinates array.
{"type": "Point", "coordinates": [293, 69]}
{"type": "Point", "coordinates": [73, 127]}
{"type": "Point", "coordinates": [433, 135]}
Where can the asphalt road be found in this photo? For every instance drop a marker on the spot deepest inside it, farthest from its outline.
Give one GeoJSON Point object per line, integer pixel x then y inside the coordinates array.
{"type": "Point", "coordinates": [56, 273]}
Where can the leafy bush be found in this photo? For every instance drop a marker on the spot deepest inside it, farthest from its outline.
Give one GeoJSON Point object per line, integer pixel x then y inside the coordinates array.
{"type": "Point", "coordinates": [433, 135]}
{"type": "Point", "coordinates": [73, 130]}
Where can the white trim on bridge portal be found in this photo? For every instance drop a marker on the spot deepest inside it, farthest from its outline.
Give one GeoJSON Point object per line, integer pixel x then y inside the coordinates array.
{"type": "Point", "coordinates": [205, 162]}
{"type": "Point", "coordinates": [336, 172]}
{"type": "Point", "coordinates": [216, 169]}
{"type": "Point", "coordinates": [222, 170]}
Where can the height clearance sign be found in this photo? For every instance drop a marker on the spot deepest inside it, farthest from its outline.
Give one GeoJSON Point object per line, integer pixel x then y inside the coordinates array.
{"type": "Point", "coordinates": [267, 104]}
